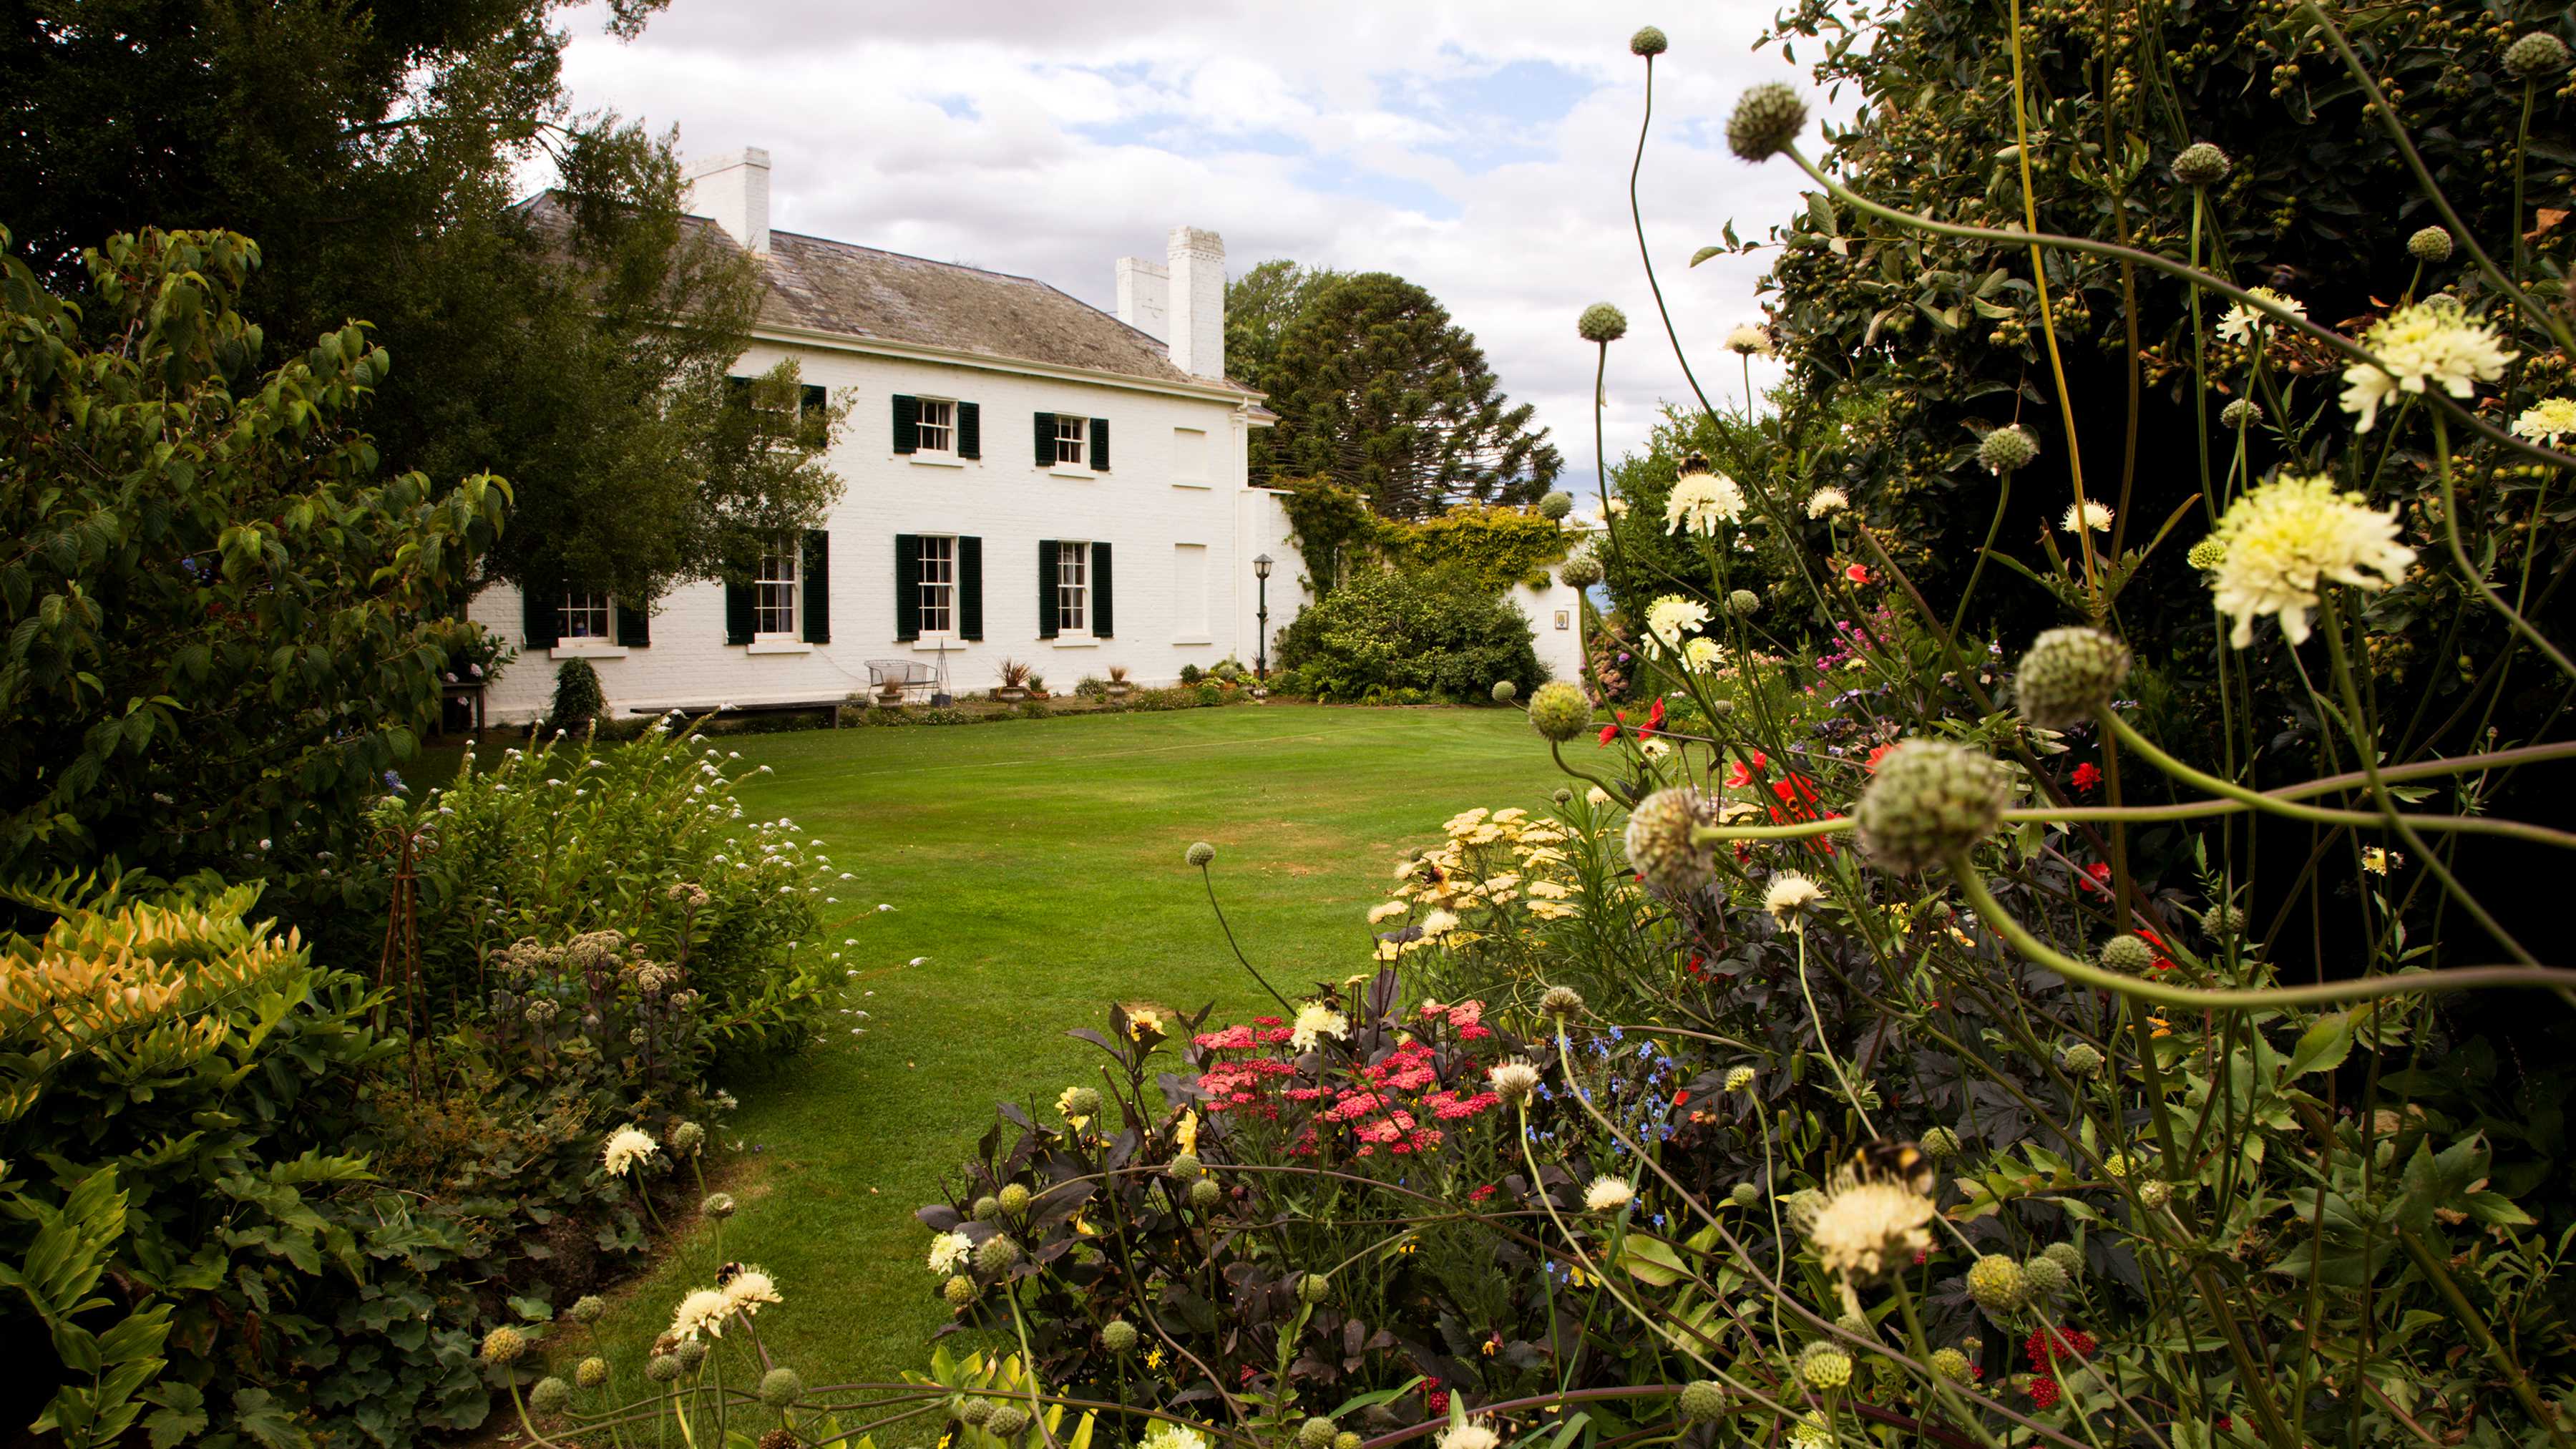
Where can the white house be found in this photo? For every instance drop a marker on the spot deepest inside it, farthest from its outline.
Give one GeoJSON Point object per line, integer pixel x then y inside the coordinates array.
{"type": "Point", "coordinates": [1024, 477]}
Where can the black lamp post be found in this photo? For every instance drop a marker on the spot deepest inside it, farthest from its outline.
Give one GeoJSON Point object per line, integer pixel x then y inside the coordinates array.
{"type": "Point", "coordinates": [1261, 643]}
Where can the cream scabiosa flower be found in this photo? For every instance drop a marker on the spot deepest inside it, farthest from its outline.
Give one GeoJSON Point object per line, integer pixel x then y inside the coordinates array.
{"type": "Point", "coordinates": [2242, 322]}
{"type": "Point", "coordinates": [1608, 1195]}
{"type": "Point", "coordinates": [703, 1311]}
{"type": "Point", "coordinates": [1474, 1434]}
{"type": "Point", "coordinates": [1701, 655]}
{"type": "Point", "coordinates": [1827, 501]}
{"type": "Point", "coordinates": [1789, 892]}
{"type": "Point", "coordinates": [626, 1149]}
{"type": "Point", "coordinates": [2084, 515]}
{"type": "Point", "coordinates": [948, 1251]}
{"type": "Point", "coordinates": [1168, 1435]}
{"type": "Point", "coordinates": [1702, 501]}
{"type": "Point", "coordinates": [2289, 536]}
{"type": "Point", "coordinates": [746, 1291]}
{"type": "Point", "coordinates": [1672, 616]}
{"type": "Point", "coordinates": [1859, 1227]}
{"type": "Point", "coordinates": [1316, 1021]}
{"type": "Point", "coordinates": [2433, 343]}
{"type": "Point", "coordinates": [1749, 340]}
{"type": "Point", "coordinates": [2547, 420]}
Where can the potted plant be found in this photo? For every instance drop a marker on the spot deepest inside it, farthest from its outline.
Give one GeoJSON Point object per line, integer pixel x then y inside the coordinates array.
{"type": "Point", "coordinates": [1015, 682]}
{"type": "Point", "coordinates": [1037, 686]}
{"type": "Point", "coordinates": [1119, 685]}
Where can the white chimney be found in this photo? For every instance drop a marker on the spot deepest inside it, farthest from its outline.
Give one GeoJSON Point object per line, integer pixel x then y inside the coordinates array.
{"type": "Point", "coordinates": [1197, 263]}
{"type": "Point", "coordinates": [731, 189]}
{"type": "Point", "coordinates": [1145, 297]}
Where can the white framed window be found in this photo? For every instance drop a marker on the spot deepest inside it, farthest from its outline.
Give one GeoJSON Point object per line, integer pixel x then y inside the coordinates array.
{"type": "Point", "coordinates": [584, 616]}
{"type": "Point", "coordinates": [774, 591]}
{"type": "Point", "coordinates": [938, 426]}
{"type": "Point", "coordinates": [938, 583]}
{"type": "Point", "coordinates": [1072, 588]}
{"type": "Point", "coordinates": [1071, 436]}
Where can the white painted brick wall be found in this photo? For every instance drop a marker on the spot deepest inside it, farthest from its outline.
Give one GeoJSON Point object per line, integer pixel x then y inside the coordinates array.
{"type": "Point", "coordinates": [1140, 507]}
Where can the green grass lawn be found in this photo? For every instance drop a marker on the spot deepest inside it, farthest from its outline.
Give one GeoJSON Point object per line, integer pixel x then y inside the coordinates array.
{"type": "Point", "coordinates": [1036, 866]}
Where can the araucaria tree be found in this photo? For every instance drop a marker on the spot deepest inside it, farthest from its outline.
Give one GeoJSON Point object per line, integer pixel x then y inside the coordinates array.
{"type": "Point", "coordinates": [1378, 390]}
{"type": "Point", "coordinates": [579, 346]}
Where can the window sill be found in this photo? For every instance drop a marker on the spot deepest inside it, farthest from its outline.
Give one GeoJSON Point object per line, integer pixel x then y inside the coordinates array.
{"type": "Point", "coordinates": [935, 460]}
{"type": "Point", "coordinates": [587, 651]}
{"type": "Point", "coordinates": [1083, 474]}
{"type": "Point", "coordinates": [1083, 643]}
{"type": "Point", "coordinates": [1188, 640]}
{"type": "Point", "coordinates": [941, 645]}
{"type": "Point", "coordinates": [778, 646]}
{"type": "Point", "coordinates": [1201, 487]}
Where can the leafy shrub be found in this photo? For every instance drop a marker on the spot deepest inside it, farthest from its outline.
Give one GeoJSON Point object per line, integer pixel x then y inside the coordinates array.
{"type": "Point", "coordinates": [221, 629]}
{"type": "Point", "coordinates": [1387, 630]}
{"type": "Point", "coordinates": [1190, 674]}
{"type": "Point", "coordinates": [567, 837]}
{"type": "Point", "coordinates": [578, 699]}
{"type": "Point", "coordinates": [1091, 686]}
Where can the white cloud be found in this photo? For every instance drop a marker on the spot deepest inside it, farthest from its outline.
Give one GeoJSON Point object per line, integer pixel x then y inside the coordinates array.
{"type": "Point", "coordinates": [1049, 140]}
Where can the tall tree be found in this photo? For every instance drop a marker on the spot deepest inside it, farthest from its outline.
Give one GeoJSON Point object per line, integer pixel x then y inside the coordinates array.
{"type": "Point", "coordinates": [579, 348]}
{"type": "Point", "coordinates": [1260, 306]}
{"type": "Point", "coordinates": [1377, 389]}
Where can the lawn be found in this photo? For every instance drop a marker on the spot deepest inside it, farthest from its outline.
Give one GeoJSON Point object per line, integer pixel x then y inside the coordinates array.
{"type": "Point", "coordinates": [1035, 870]}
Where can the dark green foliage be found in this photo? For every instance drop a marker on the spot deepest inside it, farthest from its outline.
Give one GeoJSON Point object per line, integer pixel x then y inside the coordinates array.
{"type": "Point", "coordinates": [1391, 630]}
{"type": "Point", "coordinates": [1378, 390]}
{"type": "Point", "coordinates": [580, 347]}
{"type": "Point", "coordinates": [1260, 306]}
{"type": "Point", "coordinates": [223, 628]}
{"type": "Point", "coordinates": [578, 700]}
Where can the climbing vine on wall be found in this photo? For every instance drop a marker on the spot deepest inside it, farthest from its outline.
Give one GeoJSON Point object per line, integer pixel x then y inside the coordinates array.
{"type": "Point", "coordinates": [1496, 545]}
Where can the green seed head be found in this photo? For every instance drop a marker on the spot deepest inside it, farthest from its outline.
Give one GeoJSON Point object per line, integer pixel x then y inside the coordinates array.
{"type": "Point", "coordinates": [1581, 571]}
{"type": "Point", "coordinates": [1701, 1401]}
{"type": "Point", "coordinates": [2044, 1278]}
{"type": "Point", "coordinates": [975, 1411]}
{"type": "Point", "coordinates": [2244, 412]}
{"type": "Point", "coordinates": [1556, 505]}
{"type": "Point", "coordinates": [1009, 1422]}
{"type": "Point", "coordinates": [1745, 1195]}
{"type": "Point", "coordinates": [504, 1345]}
{"type": "Point", "coordinates": [1347, 1440]}
{"type": "Point", "coordinates": [1317, 1433]}
{"type": "Point", "coordinates": [1205, 1194]}
{"type": "Point", "coordinates": [2128, 955]}
{"type": "Point", "coordinates": [780, 1387]}
{"type": "Point", "coordinates": [1183, 1167]}
{"type": "Point", "coordinates": [2207, 554]}
{"type": "Point", "coordinates": [1648, 42]}
{"type": "Point", "coordinates": [1659, 841]}
{"type": "Point", "coordinates": [1743, 603]}
{"type": "Point", "coordinates": [1314, 1288]}
{"type": "Point", "coordinates": [1559, 712]}
{"type": "Point", "coordinates": [2536, 54]}
{"type": "Point", "coordinates": [1996, 1283]}
{"type": "Point", "coordinates": [662, 1368]}
{"type": "Point", "coordinates": [549, 1396]}
{"type": "Point", "coordinates": [1824, 1366]}
{"type": "Point", "coordinates": [718, 1205]}
{"type": "Point", "coordinates": [592, 1373]}
{"type": "Point", "coordinates": [1561, 1001]}
{"type": "Point", "coordinates": [2007, 448]}
{"type": "Point", "coordinates": [1505, 691]}
{"type": "Point", "coordinates": [1118, 1336]}
{"type": "Point", "coordinates": [2068, 676]}
{"type": "Point", "coordinates": [1767, 120]}
{"type": "Point", "coordinates": [2432, 244]}
{"type": "Point", "coordinates": [2068, 1257]}
{"type": "Point", "coordinates": [1014, 1199]}
{"type": "Point", "coordinates": [1200, 853]}
{"type": "Point", "coordinates": [1950, 1364]}
{"type": "Point", "coordinates": [987, 1208]}
{"type": "Point", "coordinates": [1602, 322]}
{"type": "Point", "coordinates": [2080, 1060]}
{"type": "Point", "coordinates": [998, 1254]}
{"type": "Point", "coordinates": [2154, 1192]}
{"type": "Point", "coordinates": [587, 1308]}
{"type": "Point", "coordinates": [1930, 799]}
{"type": "Point", "coordinates": [1082, 1102]}
{"type": "Point", "coordinates": [2201, 164]}
{"type": "Point", "coordinates": [959, 1291]}
{"type": "Point", "coordinates": [688, 1137]}
{"type": "Point", "coordinates": [691, 1353]}
{"type": "Point", "coordinates": [2222, 921]}
{"type": "Point", "coordinates": [1940, 1144]}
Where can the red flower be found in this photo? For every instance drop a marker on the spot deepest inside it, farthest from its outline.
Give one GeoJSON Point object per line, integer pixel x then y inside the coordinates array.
{"type": "Point", "coordinates": [2086, 777]}
{"type": "Point", "coordinates": [1435, 1398]}
{"type": "Point", "coordinates": [1876, 755]}
{"type": "Point", "coordinates": [2098, 876]}
{"type": "Point", "coordinates": [1681, 1098]}
{"type": "Point", "coordinates": [1739, 776]}
{"type": "Point", "coordinates": [2224, 1421]}
{"type": "Point", "coordinates": [2043, 1392]}
{"type": "Point", "coordinates": [1857, 573]}
{"type": "Point", "coordinates": [1609, 732]}
{"type": "Point", "coordinates": [2047, 1345]}
{"type": "Point", "coordinates": [1654, 720]}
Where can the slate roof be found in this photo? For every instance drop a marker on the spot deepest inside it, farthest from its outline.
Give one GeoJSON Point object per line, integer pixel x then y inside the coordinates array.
{"type": "Point", "coordinates": [863, 292]}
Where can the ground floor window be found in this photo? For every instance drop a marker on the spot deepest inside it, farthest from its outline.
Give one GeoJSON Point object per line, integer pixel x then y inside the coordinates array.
{"type": "Point", "coordinates": [774, 591]}
{"type": "Point", "coordinates": [584, 615]}
{"type": "Point", "coordinates": [1072, 587]}
{"type": "Point", "coordinates": [938, 584]}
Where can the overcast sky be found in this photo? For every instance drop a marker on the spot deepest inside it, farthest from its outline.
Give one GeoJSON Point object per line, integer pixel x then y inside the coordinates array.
{"type": "Point", "coordinates": [1479, 149]}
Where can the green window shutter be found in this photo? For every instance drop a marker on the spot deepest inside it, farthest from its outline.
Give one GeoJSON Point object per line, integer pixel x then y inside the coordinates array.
{"type": "Point", "coordinates": [907, 424]}
{"type": "Point", "coordinates": [738, 614]}
{"type": "Point", "coordinates": [814, 576]}
{"type": "Point", "coordinates": [970, 588]}
{"type": "Point", "coordinates": [1046, 440]}
{"type": "Point", "coordinates": [634, 623]}
{"type": "Point", "coordinates": [970, 430]}
{"type": "Point", "coordinates": [1102, 625]}
{"type": "Point", "coordinates": [538, 617]}
{"type": "Point", "coordinates": [1046, 588]}
{"type": "Point", "coordinates": [907, 586]}
{"type": "Point", "coordinates": [1099, 445]}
